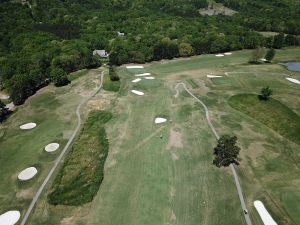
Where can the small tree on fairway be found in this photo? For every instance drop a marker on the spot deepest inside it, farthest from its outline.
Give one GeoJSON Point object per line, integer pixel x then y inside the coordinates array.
{"type": "Point", "coordinates": [270, 54]}
{"type": "Point", "coordinates": [226, 151]}
{"type": "Point", "coordinates": [59, 77]}
{"type": "Point", "coordinates": [257, 54]}
{"type": "Point", "coordinates": [265, 93]}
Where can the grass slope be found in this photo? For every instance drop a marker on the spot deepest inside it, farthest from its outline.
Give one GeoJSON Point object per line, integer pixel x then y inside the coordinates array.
{"type": "Point", "coordinates": [82, 172]}
{"type": "Point", "coordinates": [109, 85]}
{"type": "Point", "coordinates": [272, 113]}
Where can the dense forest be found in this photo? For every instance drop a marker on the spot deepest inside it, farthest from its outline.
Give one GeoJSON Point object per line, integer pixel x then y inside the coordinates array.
{"type": "Point", "coordinates": [41, 41]}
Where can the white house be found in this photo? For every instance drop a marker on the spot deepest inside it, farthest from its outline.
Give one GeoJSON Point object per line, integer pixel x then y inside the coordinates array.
{"type": "Point", "coordinates": [101, 53]}
{"type": "Point", "coordinates": [120, 34]}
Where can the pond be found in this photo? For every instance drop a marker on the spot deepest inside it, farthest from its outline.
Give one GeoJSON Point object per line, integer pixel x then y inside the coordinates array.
{"type": "Point", "coordinates": [292, 66]}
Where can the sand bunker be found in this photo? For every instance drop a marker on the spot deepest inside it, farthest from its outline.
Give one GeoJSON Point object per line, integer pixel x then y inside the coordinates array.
{"type": "Point", "coordinates": [27, 174]}
{"type": "Point", "coordinates": [28, 126]}
{"type": "Point", "coordinates": [137, 92]}
{"type": "Point", "coordinates": [227, 53]}
{"type": "Point", "coordinates": [4, 96]}
{"type": "Point", "coordinates": [149, 78]}
{"type": "Point", "coordinates": [52, 147]}
{"type": "Point", "coordinates": [136, 80]}
{"type": "Point", "coordinates": [219, 55]}
{"type": "Point", "coordinates": [10, 217]}
{"type": "Point", "coordinates": [142, 74]}
{"type": "Point", "coordinates": [213, 76]}
{"type": "Point", "coordinates": [264, 214]}
{"type": "Point", "coordinates": [134, 67]}
{"type": "Point", "coordinates": [160, 120]}
{"type": "Point", "coordinates": [293, 80]}
{"type": "Point", "coordinates": [264, 60]}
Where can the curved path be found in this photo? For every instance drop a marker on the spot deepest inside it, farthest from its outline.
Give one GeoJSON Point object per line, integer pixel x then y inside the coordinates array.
{"type": "Point", "coordinates": [236, 179]}
{"type": "Point", "coordinates": [57, 161]}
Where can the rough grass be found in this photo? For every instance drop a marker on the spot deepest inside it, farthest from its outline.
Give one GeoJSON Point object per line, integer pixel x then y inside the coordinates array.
{"type": "Point", "coordinates": [82, 172]}
{"type": "Point", "coordinates": [77, 74]}
{"type": "Point", "coordinates": [272, 113]}
{"type": "Point", "coordinates": [110, 85]}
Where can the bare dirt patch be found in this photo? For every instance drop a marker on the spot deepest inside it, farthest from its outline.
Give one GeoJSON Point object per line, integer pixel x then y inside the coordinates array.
{"type": "Point", "coordinates": [174, 139]}
{"type": "Point", "coordinates": [25, 194]}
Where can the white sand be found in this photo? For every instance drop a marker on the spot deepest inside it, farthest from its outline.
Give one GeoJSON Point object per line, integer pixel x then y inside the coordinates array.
{"type": "Point", "coordinates": [10, 217]}
{"type": "Point", "coordinates": [219, 55]}
{"type": "Point", "coordinates": [28, 126]}
{"type": "Point", "coordinates": [264, 60]}
{"type": "Point", "coordinates": [137, 92]}
{"type": "Point", "coordinates": [213, 76]}
{"type": "Point", "coordinates": [52, 147]}
{"type": "Point", "coordinates": [142, 74]}
{"type": "Point", "coordinates": [4, 96]}
{"type": "Point", "coordinates": [227, 53]}
{"type": "Point", "coordinates": [27, 174]}
{"type": "Point", "coordinates": [160, 120]}
{"type": "Point", "coordinates": [136, 80]}
{"type": "Point", "coordinates": [293, 80]}
{"type": "Point", "coordinates": [264, 214]}
{"type": "Point", "coordinates": [149, 78]}
{"type": "Point", "coordinates": [134, 67]}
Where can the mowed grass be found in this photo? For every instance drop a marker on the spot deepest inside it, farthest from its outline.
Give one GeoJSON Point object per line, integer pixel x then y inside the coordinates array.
{"type": "Point", "coordinates": [82, 172]}
{"type": "Point", "coordinates": [272, 113]}
{"type": "Point", "coordinates": [291, 203]}
{"type": "Point", "coordinates": [150, 181]}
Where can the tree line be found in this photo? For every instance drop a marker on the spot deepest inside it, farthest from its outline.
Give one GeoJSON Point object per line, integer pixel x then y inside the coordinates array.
{"type": "Point", "coordinates": [41, 44]}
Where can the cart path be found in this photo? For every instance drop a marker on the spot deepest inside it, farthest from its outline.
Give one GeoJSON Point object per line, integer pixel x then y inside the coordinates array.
{"type": "Point", "coordinates": [236, 179]}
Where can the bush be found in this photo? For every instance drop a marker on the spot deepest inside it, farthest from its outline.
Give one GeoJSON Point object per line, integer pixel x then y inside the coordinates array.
{"type": "Point", "coordinates": [265, 93]}
{"type": "Point", "coordinates": [59, 77]}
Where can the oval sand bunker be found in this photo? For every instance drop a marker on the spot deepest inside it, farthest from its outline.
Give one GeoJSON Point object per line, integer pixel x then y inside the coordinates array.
{"type": "Point", "coordinates": [264, 214]}
{"type": "Point", "coordinates": [136, 80]}
{"type": "Point", "coordinates": [10, 217]}
{"type": "Point", "coordinates": [137, 92]}
{"type": "Point", "coordinates": [160, 120]}
{"type": "Point", "coordinates": [227, 53]}
{"type": "Point", "coordinates": [219, 55]}
{"type": "Point", "coordinates": [27, 174]}
{"type": "Point", "coordinates": [149, 78]}
{"type": "Point", "coordinates": [293, 80]}
{"type": "Point", "coordinates": [213, 76]}
{"type": "Point", "coordinates": [28, 126]}
{"type": "Point", "coordinates": [51, 147]}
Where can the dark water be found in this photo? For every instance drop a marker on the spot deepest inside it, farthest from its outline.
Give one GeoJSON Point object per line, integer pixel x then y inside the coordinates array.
{"type": "Point", "coordinates": [292, 66]}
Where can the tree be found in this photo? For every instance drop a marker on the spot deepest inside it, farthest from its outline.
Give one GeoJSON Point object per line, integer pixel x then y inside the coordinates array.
{"type": "Point", "coordinates": [270, 54]}
{"type": "Point", "coordinates": [265, 93]}
{"type": "Point", "coordinates": [256, 55]}
{"type": "Point", "coordinates": [59, 77]}
{"type": "Point", "coordinates": [226, 151]}
{"type": "Point", "coordinates": [112, 74]}
{"type": "Point", "coordinates": [185, 49]}
{"type": "Point", "coordinates": [278, 41]}
{"type": "Point", "coordinates": [4, 112]}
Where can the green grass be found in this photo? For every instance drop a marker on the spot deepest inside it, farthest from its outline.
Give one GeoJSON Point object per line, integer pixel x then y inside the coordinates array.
{"type": "Point", "coordinates": [82, 172]}
{"type": "Point", "coordinates": [77, 74]}
{"type": "Point", "coordinates": [150, 85]}
{"type": "Point", "coordinates": [272, 113]}
{"type": "Point", "coordinates": [110, 85]}
{"type": "Point", "coordinates": [192, 83]}
{"type": "Point", "coordinates": [291, 204]}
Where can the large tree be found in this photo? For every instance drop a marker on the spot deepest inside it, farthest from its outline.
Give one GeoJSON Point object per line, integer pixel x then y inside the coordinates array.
{"type": "Point", "coordinates": [59, 77]}
{"type": "Point", "coordinates": [226, 151]}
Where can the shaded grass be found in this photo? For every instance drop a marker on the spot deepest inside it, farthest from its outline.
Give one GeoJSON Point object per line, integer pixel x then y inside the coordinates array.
{"type": "Point", "coordinates": [272, 113]}
{"type": "Point", "coordinates": [110, 85]}
{"type": "Point", "coordinates": [192, 83]}
{"type": "Point", "coordinates": [82, 172]}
